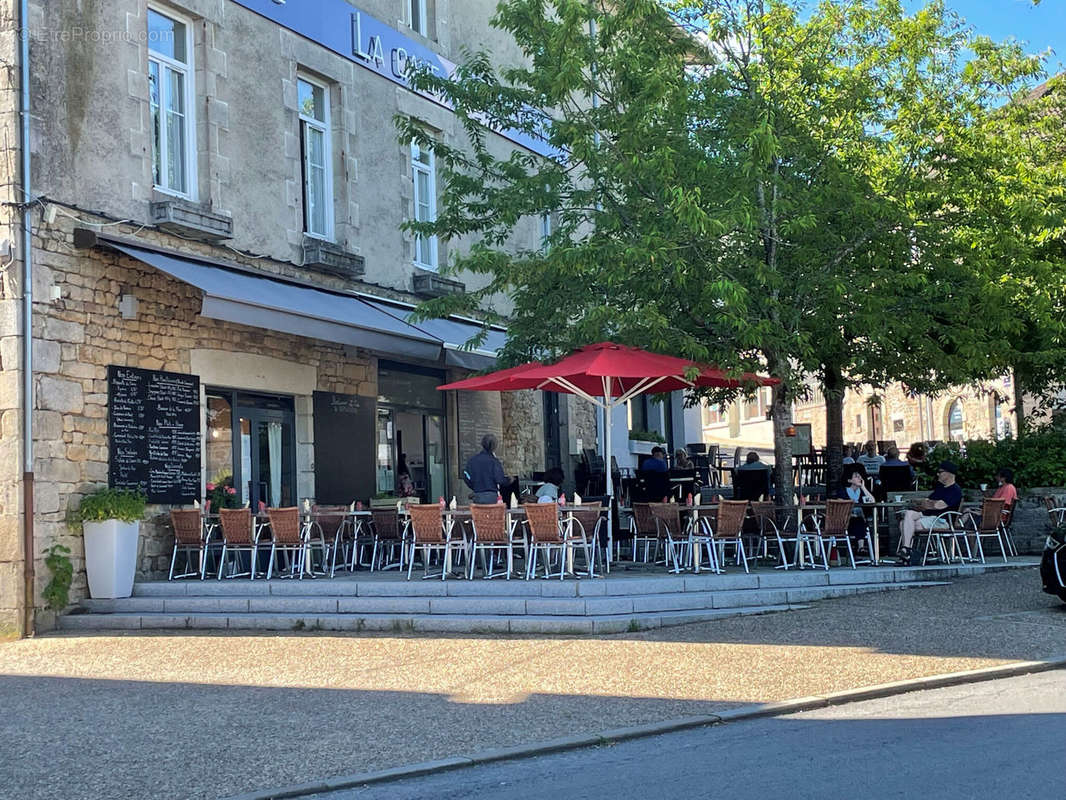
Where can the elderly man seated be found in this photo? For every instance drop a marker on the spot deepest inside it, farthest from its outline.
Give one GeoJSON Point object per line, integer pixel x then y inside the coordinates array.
{"type": "Point", "coordinates": [945, 497]}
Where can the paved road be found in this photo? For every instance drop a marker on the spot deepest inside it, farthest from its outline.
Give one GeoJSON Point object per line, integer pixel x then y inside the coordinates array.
{"type": "Point", "coordinates": [210, 714]}
{"type": "Point", "coordinates": [1003, 738]}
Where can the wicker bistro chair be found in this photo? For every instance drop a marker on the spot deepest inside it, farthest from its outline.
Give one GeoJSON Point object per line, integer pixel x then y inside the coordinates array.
{"type": "Point", "coordinates": [591, 525]}
{"type": "Point", "coordinates": [729, 530]}
{"type": "Point", "coordinates": [491, 534]}
{"type": "Point", "coordinates": [547, 533]}
{"type": "Point", "coordinates": [1006, 527]}
{"type": "Point", "coordinates": [289, 535]}
{"type": "Point", "coordinates": [189, 538]}
{"type": "Point", "coordinates": [1056, 510]}
{"type": "Point", "coordinates": [644, 532]}
{"type": "Point", "coordinates": [765, 513]}
{"type": "Point", "coordinates": [821, 535]}
{"type": "Point", "coordinates": [239, 535]}
{"type": "Point", "coordinates": [388, 535]}
{"type": "Point", "coordinates": [336, 532]}
{"type": "Point", "coordinates": [672, 530]}
{"type": "Point", "coordinates": [430, 531]}
{"type": "Point", "coordinates": [988, 524]}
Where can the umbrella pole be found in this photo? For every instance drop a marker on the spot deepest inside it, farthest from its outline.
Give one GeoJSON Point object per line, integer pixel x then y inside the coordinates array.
{"type": "Point", "coordinates": [608, 407]}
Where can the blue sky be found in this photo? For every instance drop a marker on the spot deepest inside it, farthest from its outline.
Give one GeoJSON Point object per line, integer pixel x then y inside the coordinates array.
{"type": "Point", "coordinates": [1039, 27]}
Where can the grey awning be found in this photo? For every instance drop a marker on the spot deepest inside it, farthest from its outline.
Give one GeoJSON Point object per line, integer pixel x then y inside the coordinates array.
{"type": "Point", "coordinates": [263, 302]}
{"type": "Point", "coordinates": [454, 334]}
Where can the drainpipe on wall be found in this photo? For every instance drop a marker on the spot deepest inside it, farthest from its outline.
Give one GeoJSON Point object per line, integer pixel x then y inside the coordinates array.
{"type": "Point", "coordinates": [27, 318]}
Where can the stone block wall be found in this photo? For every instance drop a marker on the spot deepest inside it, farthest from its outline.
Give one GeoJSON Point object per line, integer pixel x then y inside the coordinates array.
{"type": "Point", "coordinates": [11, 549]}
{"type": "Point", "coordinates": [523, 431]}
{"type": "Point", "coordinates": [81, 333]}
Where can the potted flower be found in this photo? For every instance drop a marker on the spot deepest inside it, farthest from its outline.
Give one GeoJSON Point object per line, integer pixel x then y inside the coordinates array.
{"type": "Point", "coordinates": [111, 522]}
{"type": "Point", "coordinates": [221, 493]}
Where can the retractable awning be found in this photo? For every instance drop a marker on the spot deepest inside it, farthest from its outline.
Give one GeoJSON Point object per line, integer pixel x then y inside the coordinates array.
{"type": "Point", "coordinates": [454, 333]}
{"type": "Point", "coordinates": [235, 295]}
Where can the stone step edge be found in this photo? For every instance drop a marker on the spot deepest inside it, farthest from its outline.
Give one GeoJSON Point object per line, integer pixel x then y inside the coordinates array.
{"type": "Point", "coordinates": [585, 587]}
{"type": "Point", "coordinates": [493, 605]}
{"type": "Point", "coordinates": [412, 623]}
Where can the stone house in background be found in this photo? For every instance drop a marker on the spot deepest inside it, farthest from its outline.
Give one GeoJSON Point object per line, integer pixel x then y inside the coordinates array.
{"type": "Point", "coordinates": [217, 194]}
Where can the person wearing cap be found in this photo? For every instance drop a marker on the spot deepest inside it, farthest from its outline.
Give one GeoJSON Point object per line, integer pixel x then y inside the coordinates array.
{"type": "Point", "coordinates": [945, 497]}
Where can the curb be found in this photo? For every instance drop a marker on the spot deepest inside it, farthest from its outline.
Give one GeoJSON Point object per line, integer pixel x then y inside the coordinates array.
{"type": "Point", "coordinates": [746, 712]}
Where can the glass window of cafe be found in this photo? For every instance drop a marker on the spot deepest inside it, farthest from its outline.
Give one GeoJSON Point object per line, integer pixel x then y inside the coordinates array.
{"type": "Point", "coordinates": [410, 434]}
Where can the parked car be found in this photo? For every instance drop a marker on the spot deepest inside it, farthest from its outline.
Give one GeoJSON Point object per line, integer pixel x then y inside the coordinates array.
{"type": "Point", "coordinates": [1053, 564]}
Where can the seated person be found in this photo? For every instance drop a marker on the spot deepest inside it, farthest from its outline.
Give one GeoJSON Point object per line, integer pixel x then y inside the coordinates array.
{"type": "Point", "coordinates": [892, 459]}
{"type": "Point", "coordinates": [916, 456]}
{"type": "Point", "coordinates": [854, 489]}
{"type": "Point", "coordinates": [553, 481]}
{"type": "Point", "coordinates": [1005, 488]}
{"type": "Point", "coordinates": [748, 488]}
{"type": "Point", "coordinates": [945, 497]}
{"type": "Point", "coordinates": [682, 461]}
{"type": "Point", "coordinates": [848, 454]}
{"type": "Point", "coordinates": [657, 461]}
{"type": "Point", "coordinates": [870, 459]}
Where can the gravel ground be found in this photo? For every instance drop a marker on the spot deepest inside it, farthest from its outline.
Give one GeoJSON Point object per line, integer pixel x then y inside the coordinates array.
{"type": "Point", "coordinates": [201, 716]}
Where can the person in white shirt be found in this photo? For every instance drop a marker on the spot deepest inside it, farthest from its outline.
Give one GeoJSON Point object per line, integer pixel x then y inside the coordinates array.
{"type": "Point", "coordinates": [870, 459]}
{"type": "Point", "coordinates": [553, 481]}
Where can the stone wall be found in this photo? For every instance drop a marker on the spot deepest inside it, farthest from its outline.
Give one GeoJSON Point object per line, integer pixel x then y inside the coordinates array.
{"type": "Point", "coordinates": [11, 555]}
{"type": "Point", "coordinates": [78, 335]}
{"type": "Point", "coordinates": [522, 447]}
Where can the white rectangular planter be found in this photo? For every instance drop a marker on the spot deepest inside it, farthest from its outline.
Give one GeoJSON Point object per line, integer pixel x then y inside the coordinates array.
{"type": "Point", "coordinates": [640, 446]}
{"type": "Point", "coordinates": [111, 557]}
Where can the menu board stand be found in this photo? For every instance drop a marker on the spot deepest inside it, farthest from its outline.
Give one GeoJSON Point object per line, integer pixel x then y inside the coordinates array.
{"type": "Point", "coordinates": [154, 433]}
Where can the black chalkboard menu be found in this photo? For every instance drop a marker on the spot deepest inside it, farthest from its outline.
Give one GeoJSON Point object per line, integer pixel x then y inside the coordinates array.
{"type": "Point", "coordinates": [344, 447]}
{"type": "Point", "coordinates": [154, 433]}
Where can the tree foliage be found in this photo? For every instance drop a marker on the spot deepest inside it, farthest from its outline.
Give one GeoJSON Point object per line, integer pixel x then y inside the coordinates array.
{"type": "Point", "coordinates": [744, 182]}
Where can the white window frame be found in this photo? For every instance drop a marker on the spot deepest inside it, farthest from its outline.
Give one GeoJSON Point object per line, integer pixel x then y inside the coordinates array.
{"type": "Point", "coordinates": [327, 150]}
{"type": "Point", "coordinates": [545, 231]}
{"type": "Point", "coordinates": [428, 169]}
{"type": "Point", "coordinates": [421, 6]}
{"type": "Point", "coordinates": [188, 70]}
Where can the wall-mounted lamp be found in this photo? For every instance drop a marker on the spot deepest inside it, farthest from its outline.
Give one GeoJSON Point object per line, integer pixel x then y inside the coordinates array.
{"type": "Point", "coordinates": [127, 306]}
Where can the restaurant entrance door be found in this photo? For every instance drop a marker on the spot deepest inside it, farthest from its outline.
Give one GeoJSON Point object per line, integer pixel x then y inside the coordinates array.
{"type": "Point", "coordinates": [410, 431]}
{"type": "Point", "coordinates": [251, 445]}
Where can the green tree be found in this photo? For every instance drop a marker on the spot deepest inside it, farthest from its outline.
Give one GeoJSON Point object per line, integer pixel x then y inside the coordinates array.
{"type": "Point", "coordinates": [737, 182]}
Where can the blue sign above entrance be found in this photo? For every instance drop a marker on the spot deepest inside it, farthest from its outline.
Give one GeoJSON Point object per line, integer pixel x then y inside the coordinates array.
{"type": "Point", "coordinates": [341, 27]}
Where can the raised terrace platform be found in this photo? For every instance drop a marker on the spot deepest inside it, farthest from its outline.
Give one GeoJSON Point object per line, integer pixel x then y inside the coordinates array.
{"type": "Point", "coordinates": [625, 601]}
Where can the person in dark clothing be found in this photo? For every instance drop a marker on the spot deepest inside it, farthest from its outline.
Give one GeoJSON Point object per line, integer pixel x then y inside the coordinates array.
{"type": "Point", "coordinates": [657, 462]}
{"type": "Point", "coordinates": [945, 497]}
{"type": "Point", "coordinates": [854, 488]}
{"type": "Point", "coordinates": [484, 472]}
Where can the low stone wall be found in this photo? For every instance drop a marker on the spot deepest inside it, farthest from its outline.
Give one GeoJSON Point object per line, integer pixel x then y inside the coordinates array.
{"type": "Point", "coordinates": [1031, 524]}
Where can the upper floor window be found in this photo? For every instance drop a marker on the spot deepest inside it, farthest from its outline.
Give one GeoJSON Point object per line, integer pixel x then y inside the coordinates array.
{"type": "Point", "coordinates": [424, 175]}
{"type": "Point", "coordinates": [313, 101]}
{"type": "Point", "coordinates": [545, 231]}
{"type": "Point", "coordinates": [418, 16]}
{"type": "Point", "coordinates": [169, 89]}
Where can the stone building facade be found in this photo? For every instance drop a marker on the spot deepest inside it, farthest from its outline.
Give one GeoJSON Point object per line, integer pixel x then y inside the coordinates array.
{"type": "Point", "coordinates": [983, 411]}
{"type": "Point", "coordinates": [218, 192]}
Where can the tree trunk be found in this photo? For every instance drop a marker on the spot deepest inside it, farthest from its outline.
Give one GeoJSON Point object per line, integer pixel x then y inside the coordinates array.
{"type": "Point", "coordinates": [782, 418]}
{"type": "Point", "coordinates": [833, 386]}
{"type": "Point", "coordinates": [1017, 382]}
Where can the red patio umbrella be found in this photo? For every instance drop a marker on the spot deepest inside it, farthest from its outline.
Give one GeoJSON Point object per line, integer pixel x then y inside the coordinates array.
{"type": "Point", "coordinates": [608, 375]}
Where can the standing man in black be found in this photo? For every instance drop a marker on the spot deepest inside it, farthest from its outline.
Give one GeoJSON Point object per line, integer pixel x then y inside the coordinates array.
{"type": "Point", "coordinates": [484, 472]}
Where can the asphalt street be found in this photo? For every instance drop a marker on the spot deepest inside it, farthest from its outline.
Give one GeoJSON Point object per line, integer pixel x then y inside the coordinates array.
{"type": "Point", "coordinates": [1004, 738]}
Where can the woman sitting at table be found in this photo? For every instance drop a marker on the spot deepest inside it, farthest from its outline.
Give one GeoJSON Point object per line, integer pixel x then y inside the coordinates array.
{"type": "Point", "coordinates": [853, 488]}
{"type": "Point", "coordinates": [549, 492]}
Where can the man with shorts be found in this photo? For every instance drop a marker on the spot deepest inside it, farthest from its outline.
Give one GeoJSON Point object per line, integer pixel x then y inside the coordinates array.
{"type": "Point", "coordinates": [945, 497]}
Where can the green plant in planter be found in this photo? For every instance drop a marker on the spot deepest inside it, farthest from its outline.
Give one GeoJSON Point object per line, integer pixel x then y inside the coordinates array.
{"type": "Point", "coordinates": [646, 436]}
{"type": "Point", "coordinates": [57, 592]}
{"type": "Point", "coordinates": [126, 505]}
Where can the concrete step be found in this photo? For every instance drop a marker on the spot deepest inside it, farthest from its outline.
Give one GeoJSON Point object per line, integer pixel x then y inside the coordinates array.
{"type": "Point", "coordinates": [485, 605]}
{"type": "Point", "coordinates": [363, 584]}
{"type": "Point", "coordinates": [436, 623]}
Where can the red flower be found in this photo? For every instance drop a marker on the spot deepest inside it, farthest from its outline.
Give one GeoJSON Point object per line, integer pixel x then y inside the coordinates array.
{"type": "Point", "coordinates": [231, 490]}
{"type": "Point", "coordinates": [210, 487]}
